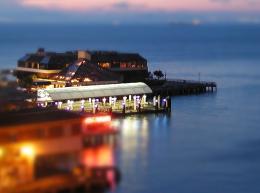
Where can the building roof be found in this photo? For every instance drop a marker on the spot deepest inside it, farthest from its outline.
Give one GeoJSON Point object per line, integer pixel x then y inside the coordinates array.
{"type": "Point", "coordinates": [82, 69]}
{"type": "Point", "coordinates": [105, 56]}
{"type": "Point", "coordinates": [31, 58]}
{"type": "Point", "coordinates": [50, 60]}
{"type": "Point", "coordinates": [34, 115]}
{"type": "Point", "coordinates": [83, 92]}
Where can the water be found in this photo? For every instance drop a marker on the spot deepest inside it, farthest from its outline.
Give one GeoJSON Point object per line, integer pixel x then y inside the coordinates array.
{"type": "Point", "coordinates": [211, 142]}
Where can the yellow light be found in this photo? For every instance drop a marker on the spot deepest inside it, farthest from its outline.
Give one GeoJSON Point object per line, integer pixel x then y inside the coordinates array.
{"type": "Point", "coordinates": [28, 151]}
{"type": "Point", "coordinates": [87, 80]}
{"type": "Point", "coordinates": [1, 152]}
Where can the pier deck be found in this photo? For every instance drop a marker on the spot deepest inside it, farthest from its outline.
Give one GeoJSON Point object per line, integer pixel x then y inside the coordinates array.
{"type": "Point", "coordinates": [174, 87]}
{"type": "Point", "coordinates": [117, 110]}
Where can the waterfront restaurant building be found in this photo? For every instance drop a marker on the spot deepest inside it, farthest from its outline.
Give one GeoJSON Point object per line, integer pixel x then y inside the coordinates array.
{"type": "Point", "coordinates": [48, 68]}
{"type": "Point", "coordinates": [132, 66]}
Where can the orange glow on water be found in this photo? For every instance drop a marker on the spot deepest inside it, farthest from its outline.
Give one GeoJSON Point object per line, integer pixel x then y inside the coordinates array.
{"type": "Point", "coordinates": [98, 157]}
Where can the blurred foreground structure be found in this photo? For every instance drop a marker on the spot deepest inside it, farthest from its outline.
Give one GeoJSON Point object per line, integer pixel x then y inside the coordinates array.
{"type": "Point", "coordinates": [75, 152]}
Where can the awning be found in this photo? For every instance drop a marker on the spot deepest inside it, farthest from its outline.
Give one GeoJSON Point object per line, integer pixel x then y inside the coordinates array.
{"type": "Point", "coordinates": [95, 91]}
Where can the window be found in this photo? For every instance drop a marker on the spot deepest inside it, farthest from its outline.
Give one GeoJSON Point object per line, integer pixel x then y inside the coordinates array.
{"type": "Point", "coordinates": [105, 65]}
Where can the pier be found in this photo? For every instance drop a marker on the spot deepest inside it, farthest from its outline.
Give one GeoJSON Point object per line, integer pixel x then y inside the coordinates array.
{"type": "Point", "coordinates": [175, 87]}
{"type": "Point", "coordinates": [116, 99]}
{"type": "Point", "coordinates": [122, 108]}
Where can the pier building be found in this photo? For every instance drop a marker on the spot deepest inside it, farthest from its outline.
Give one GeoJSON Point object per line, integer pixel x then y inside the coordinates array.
{"type": "Point", "coordinates": [50, 69]}
{"type": "Point", "coordinates": [121, 98]}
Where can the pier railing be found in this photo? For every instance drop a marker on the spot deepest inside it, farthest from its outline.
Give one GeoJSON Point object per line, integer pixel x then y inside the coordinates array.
{"type": "Point", "coordinates": [192, 82]}
{"type": "Point", "coordinates": [173, 87]}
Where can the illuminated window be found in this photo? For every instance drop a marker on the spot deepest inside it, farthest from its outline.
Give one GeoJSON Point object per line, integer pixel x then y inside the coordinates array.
{"type": "Point", "coordinates": [104, 65]}
{"type": "Point", "coordinates": [87, 80]}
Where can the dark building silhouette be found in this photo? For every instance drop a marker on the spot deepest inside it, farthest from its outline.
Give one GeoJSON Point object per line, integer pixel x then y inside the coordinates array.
{"type": "Point", "coordinates": [98, 66]}
{"type": "Point", "coordinates": [44, 64]}
{"type": "Point", "coordinates": [132, 66]}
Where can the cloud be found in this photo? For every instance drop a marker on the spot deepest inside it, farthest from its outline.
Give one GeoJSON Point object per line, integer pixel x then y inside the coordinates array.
{"type": "Point", "coordinates": [120, 11]}
{"type": "Point", "coordinates": [127, 6]}
{"type": "Point", "coordinates": [84, 5]}
{"type": "Point", "coordinates": [121, 5]}
{"type": "Point", "coordinates": [143, 5]}
{"type": "Point", "coordinates": [66, 5]}
{"type": "Point", "coordinates": [238, 2]}
{"type": "Point", "coordinates": [221, 1]}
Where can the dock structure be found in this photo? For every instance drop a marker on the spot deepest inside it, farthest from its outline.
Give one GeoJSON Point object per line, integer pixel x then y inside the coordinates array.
{"type": "Point", "coordinates": [175, 87]}
{"type": "Point", "coordinates": [116, 99]}
{"type": "Point", "coordinates": [122, 99]}
{"type": "Point", "coordinates": [121, 107]}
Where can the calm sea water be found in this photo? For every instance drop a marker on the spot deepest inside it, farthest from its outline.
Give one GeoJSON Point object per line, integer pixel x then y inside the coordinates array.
{"type": "Point", "coordinates": [211, 143]}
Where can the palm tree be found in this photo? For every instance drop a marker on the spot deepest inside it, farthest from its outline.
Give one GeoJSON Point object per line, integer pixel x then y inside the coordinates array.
{"type": "Point", "coordinates": [158, 73]}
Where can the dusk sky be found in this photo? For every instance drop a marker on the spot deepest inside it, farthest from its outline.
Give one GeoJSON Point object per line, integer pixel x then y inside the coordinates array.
{"type": "Point", "coordinates": [120, 11]}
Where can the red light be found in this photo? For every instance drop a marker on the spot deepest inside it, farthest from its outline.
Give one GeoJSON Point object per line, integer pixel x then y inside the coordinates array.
{"type": "Point", "coordinates": [98, 119]}
{"type": "Point", "coordinates": [98, 157]}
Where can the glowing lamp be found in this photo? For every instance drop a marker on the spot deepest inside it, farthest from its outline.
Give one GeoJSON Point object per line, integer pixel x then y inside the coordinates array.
{"type": "Point", "coordinates": [27, 151]}
{"type": "Point", "coordinates": [1, 152]}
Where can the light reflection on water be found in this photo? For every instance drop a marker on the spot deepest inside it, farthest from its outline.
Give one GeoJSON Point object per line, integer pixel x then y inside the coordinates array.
{"type": "Point", "coordinates": [205, 146]}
